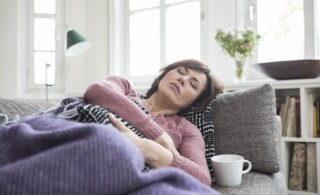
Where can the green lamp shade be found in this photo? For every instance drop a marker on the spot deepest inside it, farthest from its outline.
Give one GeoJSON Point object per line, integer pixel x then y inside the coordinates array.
{"type": "Point", "coordinates": [76, 44]}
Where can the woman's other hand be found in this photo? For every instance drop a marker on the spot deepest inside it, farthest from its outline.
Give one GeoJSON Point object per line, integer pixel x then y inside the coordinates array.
{"type": "Point", "coordinates": [118, 124]}
{"type": "Point", "coordinates": [166, 141]}
{"type": "Point", "coordinates": [158, 153]}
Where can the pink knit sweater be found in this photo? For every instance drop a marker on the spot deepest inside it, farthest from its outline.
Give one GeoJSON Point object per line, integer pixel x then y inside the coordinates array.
{"type": "Point", "coordinates": [114, 93]}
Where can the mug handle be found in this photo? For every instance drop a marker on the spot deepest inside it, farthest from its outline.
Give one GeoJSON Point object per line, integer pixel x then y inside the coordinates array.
{"type": "Point", "coordinates": [248, 168]}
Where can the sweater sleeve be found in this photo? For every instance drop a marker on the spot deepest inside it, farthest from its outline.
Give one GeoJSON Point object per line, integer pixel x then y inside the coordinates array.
{"type": "Point", "coordinates": [192, 154]}
{"type": "Point", "coordinates": [113, 94]}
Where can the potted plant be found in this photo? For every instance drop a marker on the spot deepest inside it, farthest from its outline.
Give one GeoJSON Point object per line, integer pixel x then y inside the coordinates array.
{"type": "Point", "coordinates": [238, 44]}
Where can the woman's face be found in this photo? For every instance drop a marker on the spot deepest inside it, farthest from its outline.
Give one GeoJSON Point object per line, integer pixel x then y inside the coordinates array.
{"type": "Point", "coordinates": [182, 86]}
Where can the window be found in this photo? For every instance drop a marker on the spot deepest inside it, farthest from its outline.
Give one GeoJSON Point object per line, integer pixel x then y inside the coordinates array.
{"type": "Point", "coordinates": [159, 32]}
{"type": "Point", "coordinates": [45, 55]}
{"type": "Point", "coordinates": [288, 29]}
{"type": "Point", "coordinates": [281, 23]}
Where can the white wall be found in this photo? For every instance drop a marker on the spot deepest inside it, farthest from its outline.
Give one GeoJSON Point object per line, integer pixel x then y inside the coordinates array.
{"type": "Point", "coordinates": [8, 48]}
{"type": "Point", "coordinates": [222, 15]}
{"type": "Point", "coordinates": [90, 19]}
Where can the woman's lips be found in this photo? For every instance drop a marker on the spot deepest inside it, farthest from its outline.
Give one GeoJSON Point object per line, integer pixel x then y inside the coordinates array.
{"type": "Point", "coordinates": [176, 86]}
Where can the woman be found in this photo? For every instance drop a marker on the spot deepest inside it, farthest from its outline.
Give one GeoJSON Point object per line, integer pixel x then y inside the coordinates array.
{"type": "Point", "coordinates": [172, 140]}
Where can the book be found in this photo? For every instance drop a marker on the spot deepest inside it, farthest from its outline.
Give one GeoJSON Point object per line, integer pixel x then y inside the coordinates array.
{"type": "Point", "coordinates": [283, 115]}
{"type": "Point", "coordinates": [297, 177]}
{"type": "Point", "coordinates": [311, 115]}
{"type": "Point", "coordinates": [318, 117]}
{"type": "Point", "coordinates": [298, 118]}
{"type": "Point", "coordinates": [290, 130]}
{"type": "Point", "coordinates": [314, 110]}
{"type": "Point", "coordinates": [311, 168]}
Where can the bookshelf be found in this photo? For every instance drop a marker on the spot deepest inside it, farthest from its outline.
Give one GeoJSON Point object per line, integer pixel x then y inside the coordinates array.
{"type": "Point", "coordinates": [302, 90]}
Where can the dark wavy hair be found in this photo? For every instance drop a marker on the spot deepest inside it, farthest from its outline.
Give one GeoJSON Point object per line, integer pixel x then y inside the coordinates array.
{"type": "Point", "coordinates": [212, 89]}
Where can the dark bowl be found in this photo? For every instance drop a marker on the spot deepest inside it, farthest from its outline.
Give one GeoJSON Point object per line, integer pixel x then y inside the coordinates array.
{"type": "Point", "coordinates": [294, 69]}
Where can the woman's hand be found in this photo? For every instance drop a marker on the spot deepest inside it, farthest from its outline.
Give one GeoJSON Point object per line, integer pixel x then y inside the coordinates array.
{"type": "Point", "coordinates": [118, 124]}
{"type": "Point", "coordinates": [123, 129]}
{"type": "Point", "coordinates": [157, 153]}
{"type": "Point", "coordinates": [166, 141]}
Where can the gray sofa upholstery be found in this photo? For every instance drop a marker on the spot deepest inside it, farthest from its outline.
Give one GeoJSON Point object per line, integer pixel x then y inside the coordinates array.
{"type": "Point", "coordinates": [245, 123]}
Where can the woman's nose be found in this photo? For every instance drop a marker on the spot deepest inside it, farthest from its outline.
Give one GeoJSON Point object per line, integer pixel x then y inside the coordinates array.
{"type": "Point", "coordinates": [182, 79]}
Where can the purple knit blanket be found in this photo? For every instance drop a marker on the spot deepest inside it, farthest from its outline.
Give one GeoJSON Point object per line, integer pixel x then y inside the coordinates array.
{"type": "Point", "coordinates": [44, 155]}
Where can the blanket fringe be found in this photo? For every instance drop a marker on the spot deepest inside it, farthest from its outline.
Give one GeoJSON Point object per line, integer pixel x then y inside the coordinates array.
{"type": "Point", "coordinates": [70, 111]}
{"type": "Point", "coordinates": [4, 120]}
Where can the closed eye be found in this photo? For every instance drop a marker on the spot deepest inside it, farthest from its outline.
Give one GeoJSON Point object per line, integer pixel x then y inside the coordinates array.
{"type": "Point", "coordinates": [194, 84]}
{"type": "Point", "coordinates": [182, 70]}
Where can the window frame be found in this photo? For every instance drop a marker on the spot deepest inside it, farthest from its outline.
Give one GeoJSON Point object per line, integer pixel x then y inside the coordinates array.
{"type": "Point", "coordinates": [59, 17]}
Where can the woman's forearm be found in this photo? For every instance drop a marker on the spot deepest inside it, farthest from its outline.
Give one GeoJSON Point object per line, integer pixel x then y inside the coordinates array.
{"type": "Point", "coordinates": [155, 154]}
{"type": "Point", "coordinates": [112, 95]}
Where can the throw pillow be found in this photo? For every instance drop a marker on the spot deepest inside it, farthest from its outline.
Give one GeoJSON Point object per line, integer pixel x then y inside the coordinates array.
{"type": "Point", "coordinates": [89, 113]}
{"type": "Point", "coordinates": [246, 124]}
{"type": "Point", "coordinates": [203, 120]}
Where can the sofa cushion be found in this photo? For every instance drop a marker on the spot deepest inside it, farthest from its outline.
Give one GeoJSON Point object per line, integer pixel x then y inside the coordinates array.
{"type": "Point", "coordinates": [245, 124]}
{"type": "Point", "coordinates": [254, 183]}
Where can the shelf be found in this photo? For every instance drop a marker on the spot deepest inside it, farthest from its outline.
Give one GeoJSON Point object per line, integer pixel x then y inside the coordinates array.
{"type": "Point", "coordinates": [292, 192]}
{"type": "Point", "coordinates": [277, 84]}
{"type": "Point", "coordinates": [299, 139]}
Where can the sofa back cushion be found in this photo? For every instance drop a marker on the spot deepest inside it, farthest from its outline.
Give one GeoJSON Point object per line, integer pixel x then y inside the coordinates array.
{"type": "Point", "coordinates": [12, 108]}
{"type": "Point", "coordinates": [246, 124]}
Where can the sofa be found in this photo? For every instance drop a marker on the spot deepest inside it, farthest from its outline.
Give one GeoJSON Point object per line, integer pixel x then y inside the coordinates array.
{"type": "Point", "coordinates": [245, 123]}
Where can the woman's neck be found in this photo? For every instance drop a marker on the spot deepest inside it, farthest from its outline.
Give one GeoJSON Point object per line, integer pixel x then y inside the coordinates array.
{"type": "Point", "coordinates": [157, 106]}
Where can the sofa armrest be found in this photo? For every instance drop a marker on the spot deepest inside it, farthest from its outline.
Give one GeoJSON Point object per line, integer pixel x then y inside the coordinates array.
{"type": "Point", "coordinates": [246, 124]}
{"type": "Point", "coordinates": [12, 108]}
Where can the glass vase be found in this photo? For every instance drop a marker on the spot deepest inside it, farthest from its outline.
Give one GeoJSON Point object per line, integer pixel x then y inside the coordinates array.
{"type": "Point", "coordinates": [240, 76]}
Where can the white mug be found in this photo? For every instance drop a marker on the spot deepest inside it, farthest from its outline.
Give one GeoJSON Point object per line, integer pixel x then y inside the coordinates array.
{"type": "Point", "coordinates": [228, 169]}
